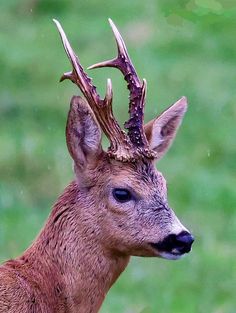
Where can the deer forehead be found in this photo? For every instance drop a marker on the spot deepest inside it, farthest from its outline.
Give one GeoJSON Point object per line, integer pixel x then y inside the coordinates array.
{"type": "Point", "coordinates": [142, 176]}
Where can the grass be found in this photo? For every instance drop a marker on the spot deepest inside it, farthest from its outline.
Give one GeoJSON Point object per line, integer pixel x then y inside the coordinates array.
{"type": "Point", "coordinates": [181, 48]}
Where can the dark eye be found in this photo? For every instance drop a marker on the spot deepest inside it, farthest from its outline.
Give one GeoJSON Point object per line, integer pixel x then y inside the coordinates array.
{"type": "Point", "coordinates": [122, 195]}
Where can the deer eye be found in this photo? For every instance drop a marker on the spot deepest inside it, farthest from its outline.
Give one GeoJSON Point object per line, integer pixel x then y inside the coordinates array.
{"type": "Point", "coordinates": [122, 195]}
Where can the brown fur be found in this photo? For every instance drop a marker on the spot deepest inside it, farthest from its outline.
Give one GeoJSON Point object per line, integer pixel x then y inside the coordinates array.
{"type": "Point", "coordinates": [89, 237]}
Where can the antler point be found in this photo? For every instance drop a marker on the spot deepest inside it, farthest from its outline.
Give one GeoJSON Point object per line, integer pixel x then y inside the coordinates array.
{"type": "Point", "coordinates": [58, 25]}
{"type": "Point", "coordinates": [108, 63]}
{"type": "Point", "coordinates": [111, 22]}
{"type": "Point", "coordinates": [109, 93]}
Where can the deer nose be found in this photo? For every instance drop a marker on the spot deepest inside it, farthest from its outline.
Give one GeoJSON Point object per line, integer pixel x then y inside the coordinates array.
{"type": "Point", "coordinates": [182, 242]}
{"type": "Point", "coordinates": [176, 244]}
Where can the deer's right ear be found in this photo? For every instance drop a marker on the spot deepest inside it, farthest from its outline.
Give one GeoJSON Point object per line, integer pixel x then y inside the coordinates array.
{"type": "Point", "coordinates": [83, 134]}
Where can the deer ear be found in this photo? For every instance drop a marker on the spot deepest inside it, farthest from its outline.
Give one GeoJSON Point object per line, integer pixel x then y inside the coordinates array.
{"type": "Point", "coordinates": [83, 134]}
{"type": "Point", "coordinates": [161, 131]}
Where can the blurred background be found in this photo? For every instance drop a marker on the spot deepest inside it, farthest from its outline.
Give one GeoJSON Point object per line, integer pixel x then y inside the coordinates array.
{"type": "Point", "coordinates": [182, 47]}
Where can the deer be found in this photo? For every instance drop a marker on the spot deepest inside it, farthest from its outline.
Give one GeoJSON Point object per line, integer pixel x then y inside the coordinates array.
{"type": "Point", "coordinates": [115, 208]}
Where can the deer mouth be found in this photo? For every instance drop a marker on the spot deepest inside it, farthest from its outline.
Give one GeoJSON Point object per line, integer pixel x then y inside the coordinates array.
{"type": "Point", "coordinates": [169, 255]}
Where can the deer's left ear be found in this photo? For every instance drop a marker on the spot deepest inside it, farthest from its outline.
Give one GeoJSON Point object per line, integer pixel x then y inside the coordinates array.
{"type": "Point", "coordinates": [161, 131]}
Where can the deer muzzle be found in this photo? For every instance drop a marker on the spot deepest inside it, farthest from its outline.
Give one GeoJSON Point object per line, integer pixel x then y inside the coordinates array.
{"type": "Point", "coordinates": [174, 246]}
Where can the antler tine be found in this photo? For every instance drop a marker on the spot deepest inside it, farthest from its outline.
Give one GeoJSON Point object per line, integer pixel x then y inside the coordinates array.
{"type": "Point", "coordinates": [77, 75]}
{"type": "Point", "coordinates": [121, 147]}
{"type": "Point", "coordinates": [122, 54]}
{"type": "Point", "coordinates": [137, 91]}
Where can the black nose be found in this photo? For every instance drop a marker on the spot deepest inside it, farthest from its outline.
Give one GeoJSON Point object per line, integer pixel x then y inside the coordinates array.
{"type": "Point", "coordinates": [177, 244]}
{"type": "Point", "coordinates": [183, 242]}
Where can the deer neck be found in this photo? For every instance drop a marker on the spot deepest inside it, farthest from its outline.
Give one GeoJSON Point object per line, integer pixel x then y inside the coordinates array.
{"type": "Point", "coordinates": [87, 270]}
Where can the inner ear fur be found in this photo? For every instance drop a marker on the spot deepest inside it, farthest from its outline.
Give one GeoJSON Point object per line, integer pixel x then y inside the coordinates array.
{"type": "Point", "coordinates": [162, 130]}
{"type": "Point", "coordinates": [83, 134]}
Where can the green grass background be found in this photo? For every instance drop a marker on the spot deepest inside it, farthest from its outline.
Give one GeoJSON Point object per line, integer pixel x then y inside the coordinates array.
{"type": "Point", "coordinates": [182, 47]}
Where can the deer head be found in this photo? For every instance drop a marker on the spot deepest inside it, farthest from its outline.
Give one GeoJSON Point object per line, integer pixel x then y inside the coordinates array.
{"type": "Point", "coordinates": [124, 191]}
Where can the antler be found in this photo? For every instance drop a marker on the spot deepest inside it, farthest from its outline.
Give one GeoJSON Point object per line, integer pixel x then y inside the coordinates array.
{"type": "Point", "coordinates": [123, 147]}
{"type": "Point", "coordinates": [136, 88]}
